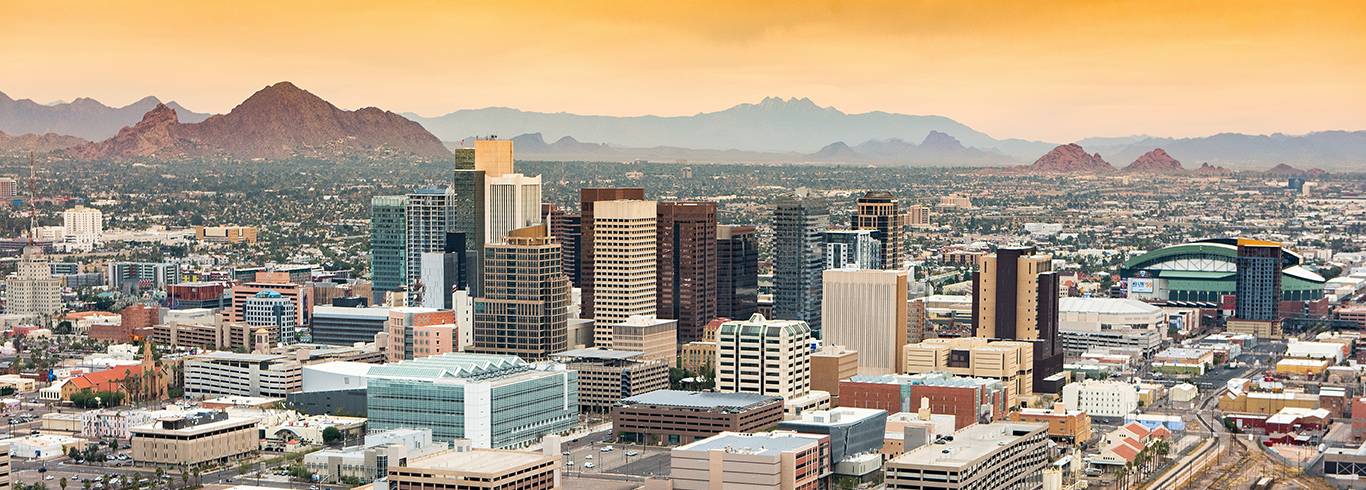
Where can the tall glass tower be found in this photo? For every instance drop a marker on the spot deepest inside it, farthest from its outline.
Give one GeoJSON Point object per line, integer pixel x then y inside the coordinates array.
{"type": "Point", "coordinates": [799, 222]}
{"type": "Point", "coordinates": [388, 244]}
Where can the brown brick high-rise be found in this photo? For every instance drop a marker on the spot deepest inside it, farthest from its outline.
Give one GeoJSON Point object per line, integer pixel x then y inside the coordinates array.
{"type": "Point", "coordinates": [1015, 297]}
{"type": "Point", "coordinates": [878, 210]}
{"type": "Point", "coordinates": [685, 280]}
{"type": "Point", "coordinates": [586, 199]}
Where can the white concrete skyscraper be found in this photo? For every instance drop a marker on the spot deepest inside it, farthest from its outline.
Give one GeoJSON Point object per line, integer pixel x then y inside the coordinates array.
{"type": "Point", "coordinates": [623, 264]}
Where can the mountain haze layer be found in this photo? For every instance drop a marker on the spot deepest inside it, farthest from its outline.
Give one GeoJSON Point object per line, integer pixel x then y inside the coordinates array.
{"type": "Point", "coordinates": [84, 117]}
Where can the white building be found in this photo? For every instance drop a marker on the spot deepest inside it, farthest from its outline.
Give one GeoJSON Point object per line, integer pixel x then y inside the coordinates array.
{"type": "Point", "coordinates": [511, 202]}
{"type": "Point", "coordinates": [368, 462]}
{"type": "Point", "coordinates": [225, 373]}
{"type": "Point", "coordinates": [746, 353]}
{"type": "Point", "coordinates": [1101, 314]}
{"type": "Point", "coordinates": [1184, 392]}
{"type": "Point", "coordinates": [865, 310]}
{"type": "Point", "coordinates": [81, 220]}
{"type": "Point", "coordinates": [41, 446]}
{"type": "Point", "coordinates": [1317, 350]}
{"type": "Point", "coordinates": [623, 263]}
{"type": "Point", "coordinates": [1101, 398]}
{"type": "Point", "coordinates": [337, 375]}
{"type": "Point", "coordinates": [270, 308]}
{"type": "Point", "coordinates": [31, 291]}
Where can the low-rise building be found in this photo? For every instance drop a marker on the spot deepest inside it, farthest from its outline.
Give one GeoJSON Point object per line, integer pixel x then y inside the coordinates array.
{"type": "Point", "coordinates": [1184, 392]}
{"type": "Point", "coordinates": [309, 430]}
{"type": "Point", "coordinates": [41, 446]}
{"type": "Point", "coordinates": [682, 417]}
{"type": "Point", "coordinates": [1302, 367]}
{"type": "Point", "coordinates": [337, 325]}
{"type": "Point", "coordinates": [1010, 362]}
{"type": "Point", "coordinates": [1264, 402]}
{"type": "Point", "coordinates": [696, 355]}
{"type": "Point", "coordinates": [1101, 398]}
{"type": "Point", "coordinates": [194, 439]}
{"type": "Point", "coordinates": [829, 365]}
{"type": "Point", "coordinates": [225, 373]}
{"type": "Point", "coordinates": [606, 376]}
{"type": "Point", "coordinates": [997, 455]}
{"type": "Point", "coordinates": [914, 429]}
{"type": "Point", "coordinates": [1064, 426]}
{"type": "Point", "coordinates": [1333, 351]}
{"type": "Point", "coordinates": [767, 461]}
{"type": "Point", "coordinates": [852, 431]}
{"type": "Point", "coordinates": [370, 461]}
{"type": "Point", "coordinates": [478, 469]}
{"type": "Point", "coordinates": [969, 400]}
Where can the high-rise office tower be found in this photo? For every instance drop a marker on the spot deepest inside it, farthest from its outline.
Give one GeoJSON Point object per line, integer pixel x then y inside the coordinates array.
{"type": "Point", "coordinates": [588, 198]}
{"type": "Point", "coordinates": [388, 244]}
{"type": "Point", "coordinates": [743, 369]}
{"type": "Point", "coordinates": [878, 210]}
{"type": "Point", "coordinates": [512, 201]}
{"type": "Point", "coordinates": [1258, 287]}
{"type": "Point", "coordinates": [686, 278]}
{"type": "Point", "coordinates": [737, 271]}
{"type": "Point", "coordinates": [799, 222]}
{"type": "Point", "coordinates": [918, 216]}
{"type": "Point", "coordinates": [567, 229]}
{"type": "Point", "coordinates": [623, 264]}
{"type": "Point", "coordinates": [488, 159]}
{"type": "Point", "coordinates": [852, 248]}
{"type": "Point", "coordinates": [1015, 297]}
{"type": "Point", "coordinates": [32, 292]}
{"type": "Point", "coordinates": [866, 310]}
{"type": "Point", "coordinates": [525, 308]}
{"type": "Point", "coordinates": [431, 215]}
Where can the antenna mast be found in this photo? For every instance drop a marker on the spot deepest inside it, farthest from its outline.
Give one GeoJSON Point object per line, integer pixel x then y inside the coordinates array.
{"type": "Point", "coordinates": [32, 206]}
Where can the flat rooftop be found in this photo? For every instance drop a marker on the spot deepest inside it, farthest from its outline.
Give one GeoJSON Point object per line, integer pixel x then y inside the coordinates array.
{"type": "Point", "coordinates": [762, 443]}
{"type": "Point", "coordinates": [968, 445]}
{"type": "Point", "coordinates": [700, 399]}
{"type": "Point", "coordinates": [478, 461]}
{"type": "Point", "coordinates": [233, 356]}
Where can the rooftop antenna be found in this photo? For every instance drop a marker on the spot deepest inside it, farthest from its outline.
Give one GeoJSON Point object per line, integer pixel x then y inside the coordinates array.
{"type": "Point", "coordinates": [32, 207]}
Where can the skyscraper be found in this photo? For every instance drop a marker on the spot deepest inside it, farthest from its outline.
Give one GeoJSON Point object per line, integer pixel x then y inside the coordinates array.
{"type": "Point", "coordinates": [388, 244]}
{"type": "Point", "coordinates": [852, 248]}
{"type": "Point", "coordinates": [588, 198]}
{"type": "Point", "coordinates": [525, 308]}
{"type": "Point", "coordinates": [431, 215]}
{"type": "Point", "coordinates": [737, 271]}
{"type": "Point", "coordinates": [512, 201]}
{"type": "Point", "coordinates": [488, 159]}
{"type": "Point", "coordinates": [623, 264]}
{"type": "Point", "coordinates": [568, 230]}
{"type": "Point", "coordinates": [1015, 297]}
{"type": "Point", "coordinates": [866, 310]}
{"type": "Point", "coordinates": [1258, 288]}
{"type": "Point", "coordinates": [799, 221]}
{"type": "Point", "coordinates": [686, 278]}
{"type": "Point", "coordinates": [878, 210]}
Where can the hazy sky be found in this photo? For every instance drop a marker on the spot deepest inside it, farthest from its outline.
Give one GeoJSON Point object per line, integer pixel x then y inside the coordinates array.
{"type": "Point", "coordinates": [1056, 71]}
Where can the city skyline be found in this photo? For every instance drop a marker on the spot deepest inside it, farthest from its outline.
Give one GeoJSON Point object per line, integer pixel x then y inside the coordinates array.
{"type": "Point", "coordinates": [1061, 72]}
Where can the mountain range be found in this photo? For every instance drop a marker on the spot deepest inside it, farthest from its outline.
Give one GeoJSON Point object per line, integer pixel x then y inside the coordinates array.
{"type": "Point", "coordinates": [773, 130]}
{"type": "Point", "coordinates": [278, 121]}
{"type": "Point", "coordinates": [84, 118]}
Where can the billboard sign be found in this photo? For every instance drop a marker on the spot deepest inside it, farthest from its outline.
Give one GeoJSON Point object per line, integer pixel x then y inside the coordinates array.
{"type": "Point", "coordinates": [1140, 285]}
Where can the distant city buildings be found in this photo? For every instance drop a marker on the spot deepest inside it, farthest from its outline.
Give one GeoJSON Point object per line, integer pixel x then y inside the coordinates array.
{"type": "Point", "coordinates": [225, 234]}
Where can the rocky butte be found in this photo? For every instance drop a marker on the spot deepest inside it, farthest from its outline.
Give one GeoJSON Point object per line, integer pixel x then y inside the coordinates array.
{"type": "Point", "coordinates": [279, 121]}
{"type": "Point", "coordinates": [1155, 162]}
{"type": "Point", "coordinates": [1069, 158]}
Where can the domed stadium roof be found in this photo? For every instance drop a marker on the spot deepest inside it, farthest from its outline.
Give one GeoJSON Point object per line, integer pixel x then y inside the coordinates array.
{"type": "Point", "coordinates": [269, 293]}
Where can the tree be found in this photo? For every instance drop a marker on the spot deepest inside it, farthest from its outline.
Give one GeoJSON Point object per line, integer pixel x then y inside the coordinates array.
{"type": "Point", "coordinates": [62, 482]}
{"type": "Point", "coordinates": [184, 479]}
{"type": "Point", "coordinates": [160, 473]}
{"type": "Point", "coordinates": [331, 435]}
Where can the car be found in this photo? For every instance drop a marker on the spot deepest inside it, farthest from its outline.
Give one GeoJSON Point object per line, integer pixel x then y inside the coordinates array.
{"type": "Point", "coordinates": [588, 457]}
{"type": "Point", "coordinates": [605, 449]}
{"type": "Point", "coordinates": [588, 465]}
{"type": "Point", "coordinates": [631, 453]}
{"type": "Point", "coordinates": [48, 477]}
{"type": "Point", "coordinates": [571, 463]}
{"type": "Point", "coordinates": [314, 487]}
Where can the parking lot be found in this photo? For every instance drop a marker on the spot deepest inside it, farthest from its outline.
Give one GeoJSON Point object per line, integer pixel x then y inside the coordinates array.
{"type": "Point", "coordinates": [621, 459]}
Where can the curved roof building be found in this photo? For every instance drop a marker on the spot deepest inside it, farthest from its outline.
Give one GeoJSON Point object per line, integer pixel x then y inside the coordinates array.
{"type": "Point", "coordinates": [1206, 270]}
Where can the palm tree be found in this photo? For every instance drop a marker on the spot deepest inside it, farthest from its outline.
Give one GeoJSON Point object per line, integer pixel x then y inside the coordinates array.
{"type": "Point", "coordinates": [184, 479]}
{"type": "Point", "coordinates": [160, 473]}
{"type": "Point", "coordinates": [1121, 473]}
{"type": "Point", "coordinates": [62, 482]}
{"type": "Point", "coordinates": [197, 481]}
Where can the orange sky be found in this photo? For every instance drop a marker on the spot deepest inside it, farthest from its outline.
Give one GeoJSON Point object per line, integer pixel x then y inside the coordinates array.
{"type": "Point", "coordinates": [1056, 71]}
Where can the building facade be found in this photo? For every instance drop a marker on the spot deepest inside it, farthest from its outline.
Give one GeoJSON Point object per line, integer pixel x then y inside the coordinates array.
{"type": "Point", "coordinates": [31, 292]}
{"type": "Point", "coordinates": [431, 215]}
{"type": "Point", "coordinates": [270, 308]}
{"type": "Point", "coordinates": [737, 266]}
{"type": "Point", "coordinates": [228, 374]}
{"type": "Point", "coordinates": [588, 199]}
{"type": "Point", "coordinates": [767, 357]}
{"type": "Point", "coordinates": [686, 279]}
{"type": "Point", "coordinates": [337, 325]}
{"type": "Point", "coordinates": [624, 263]}
{"type": "Point", "coordinates": [525, 308]}
{"type": "Point", "coordinates": [768, 461]}
{"type": "Point", "coordinates": [880, 211]}
{"type": "Point", "coordinates": [1015, 297]}
{"type": "Point", "coordinates": [999, 455]}
{"type": "Point", "coordinates": [866, 310]}
{"type": "Point", "coordinates": [193, 440]}
{"type": "Point", "coordinates": [799, 221]}
{"type": "Point", "coordinates": [607, 376]}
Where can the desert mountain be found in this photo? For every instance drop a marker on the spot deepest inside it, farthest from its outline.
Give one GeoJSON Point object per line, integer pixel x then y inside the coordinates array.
{"type": "Point", "coordinates": [1344, 150]}
{"type": "Point", "coordinates": [279, 121]}
{"type": "Point", "coordinates": [1067, 158]}
{"type": "Point", "coordinates": [84, 117]}
{"type": "Point", "coordinates": [38, 143]}
{"type": "Point", "coordinates": [1155, 162]}
{"type": "Point", "coordinates": [773, 125]}
{"type": "Point", "coordinates": [937, 148]}
{"type": "Point", "coordinates": [1284, 169]}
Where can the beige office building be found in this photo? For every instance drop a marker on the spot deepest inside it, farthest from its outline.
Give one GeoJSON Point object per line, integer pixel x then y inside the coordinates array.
{"type": "Point", "coordinates": [478, 469]}
{"type": "Point", "coordinates": [1010, 362]}
{"type": "Point", "coordinates": [33, 292]}
{"type": "Point", "coordinates": [657, 338]}
{"type": "Point", "coordinates": [194, 440]}
{"type": "Point", "coordinates": [831, 364]}
{"type": "Point", "coordinates": [623, 264]}
{"type": "Point", "coordinates": [494, 157]}
{"type": "Point", "coordinates": [768, 357]}
{"type": "Point", "coordinates": [918, 216]}
{"type": "Point", "coordinates": [865, 310]}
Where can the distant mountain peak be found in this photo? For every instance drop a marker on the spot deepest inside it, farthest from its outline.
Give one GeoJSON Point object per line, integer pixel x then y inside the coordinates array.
{"type": "Point", "coordinates": [1070, 157]}
{"type": "Point", "coordinates": [1156, 161]}
{"type": "Point", "coordinates": [1284, 169]}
